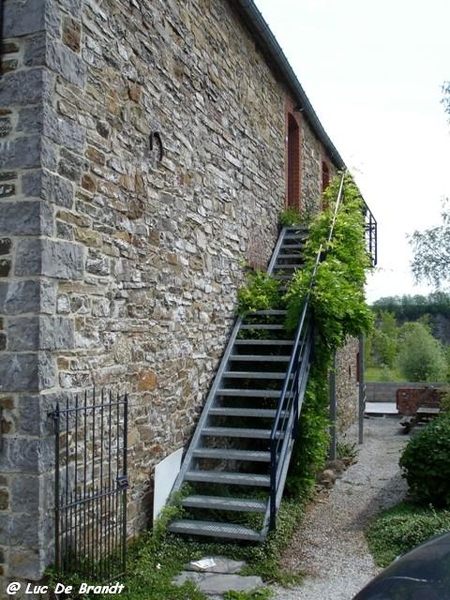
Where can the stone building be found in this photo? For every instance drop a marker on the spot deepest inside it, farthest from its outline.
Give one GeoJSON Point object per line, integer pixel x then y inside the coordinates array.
{"type": "Point", "coordinates": [147, 150]}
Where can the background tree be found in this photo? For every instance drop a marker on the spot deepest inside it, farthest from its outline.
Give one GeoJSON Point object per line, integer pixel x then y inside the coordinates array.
{"type": "Point", "coordinates": [432, 247]}
{"type": "Point", "coordinates": [432, 252]}
{"type": "Point", "coordinates": [421, 357]}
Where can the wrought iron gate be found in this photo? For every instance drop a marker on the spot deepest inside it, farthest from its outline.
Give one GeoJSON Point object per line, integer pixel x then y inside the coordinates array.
{"type": "Point", "coordinates": [91, 485]}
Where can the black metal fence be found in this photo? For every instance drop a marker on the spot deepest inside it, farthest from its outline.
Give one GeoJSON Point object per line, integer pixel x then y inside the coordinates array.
{"type": "Point", "coordinates": [91, 485]}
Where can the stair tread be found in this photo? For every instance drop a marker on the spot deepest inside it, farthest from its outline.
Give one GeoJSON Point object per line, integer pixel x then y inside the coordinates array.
{"type": "Point", "coordinates": [224, 503]}
{"type": "Point", "coordinates": [210, 528]}
{"type": "Point", "coordinates": [228, 477]}
{"type": "Point", "coordinates": [249, 393]}
{"type": "Point", "coordinates": [240, 432]}
{"type": "Point", "coordinates": [264, 413]}
{"type": "Point", "coordinates": [254, 374]}
{"type": "Point", "coordinates": [260, 357]}
{"type": "Point", "coordinates": [232, 454]}
{"type": "Point", "coordinates": [272, 326]}
{"type": "Point", "coordinates": [264, 342]}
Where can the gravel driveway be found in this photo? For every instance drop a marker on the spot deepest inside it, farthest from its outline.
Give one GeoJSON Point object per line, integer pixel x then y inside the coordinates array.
{"type": "Point", "coordinates": [330, 545]}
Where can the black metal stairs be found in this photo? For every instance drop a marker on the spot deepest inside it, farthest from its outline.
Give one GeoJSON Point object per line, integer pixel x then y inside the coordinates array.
{"type": "Point", "coordinates": [236, 464]}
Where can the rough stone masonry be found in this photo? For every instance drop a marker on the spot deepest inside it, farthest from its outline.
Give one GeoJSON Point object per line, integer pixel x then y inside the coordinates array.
{"type": "Point", "coordinates": [142, 162]}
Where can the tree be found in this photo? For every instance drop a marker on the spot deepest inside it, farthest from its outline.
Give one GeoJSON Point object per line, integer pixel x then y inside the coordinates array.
{"type": "Point", "coordinates": [432, 252]}
{"type": "Point", "coordinates": [421, 356]}
{"type": "Point", "coordinates": [432, 247]}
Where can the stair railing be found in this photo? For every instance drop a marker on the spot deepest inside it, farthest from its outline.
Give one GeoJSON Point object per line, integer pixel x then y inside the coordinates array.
{"type": "Point", "coordinates": [285, 426]}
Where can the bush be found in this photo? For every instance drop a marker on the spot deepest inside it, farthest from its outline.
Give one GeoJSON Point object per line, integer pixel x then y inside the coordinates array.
{"type": "Point", "coordinates": [426, 463]}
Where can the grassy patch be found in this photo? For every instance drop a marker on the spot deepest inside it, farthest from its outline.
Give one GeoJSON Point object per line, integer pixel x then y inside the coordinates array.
{"type": "Point", "coordinates": [403, 527]}
{"type": "Point", "coordinates": [158, 556]}
{"type": "Point", "coordinates": [382, 374]}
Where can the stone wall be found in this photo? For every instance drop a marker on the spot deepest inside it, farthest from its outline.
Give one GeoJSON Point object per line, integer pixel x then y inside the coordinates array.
{"type": "Point", "coordinates": [386, 391]}
{"type": "Point", "coordinates": [142, 163]}
{"type": "Point", "coordinates": [347, 390]}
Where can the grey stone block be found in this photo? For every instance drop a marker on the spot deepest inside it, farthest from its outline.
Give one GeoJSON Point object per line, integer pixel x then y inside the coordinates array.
{"type": "Point", "coordinates": [23, 17]}
{"type": "Point", "coordinates": [23, 334]}
{"type": "Point", "coordinates": [56, 259]}
{"type": "Point", "coordinates": [25, 494]}
{"type": "Point", "coordinates": [22, 152]}
{"type": "Point", "coordinates": [31, 119]}
{"type": "Point", "coordinates": [19, 530]}
{"type": "Point", "coordinates": [34, 50]}
{"type": "Point", "coordinates": [48, 186]}
{"type": "Point", "coordinates": [66, 63]}
{"type": "Point", "coordinates": [19, 372]}
{"type": "Point", "coordinates": [19, 297]}
{"type": "Point", "coordinates": [56, 333]}
{"type": "Point", "coordinates": [28, 217]}
{"type": "Point", "coordinates": [63, 132]}
{"type": "Point", "coordinates": [21, 87]}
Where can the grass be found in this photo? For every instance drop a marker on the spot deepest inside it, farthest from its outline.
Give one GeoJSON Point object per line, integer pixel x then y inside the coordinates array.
{"type": "Point", "coordinates": [382, 374]}
{"type": "Point", "coordinates": [157, 557]}
{"type": "Point", "coordinates": [402, 527]}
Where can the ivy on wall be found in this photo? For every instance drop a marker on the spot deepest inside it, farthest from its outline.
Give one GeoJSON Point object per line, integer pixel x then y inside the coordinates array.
{"type": "Point", "coordinates": [338, 307]}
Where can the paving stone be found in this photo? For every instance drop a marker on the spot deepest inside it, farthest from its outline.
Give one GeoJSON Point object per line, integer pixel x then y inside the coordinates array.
{"type": "Point", "coordinates": [221, 564]}
{"type": "Point", "coordinates": [219, 583]}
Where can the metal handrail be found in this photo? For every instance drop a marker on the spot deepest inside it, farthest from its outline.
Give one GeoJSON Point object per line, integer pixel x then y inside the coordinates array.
{"type": "Point", "coordinates": [293, 389]}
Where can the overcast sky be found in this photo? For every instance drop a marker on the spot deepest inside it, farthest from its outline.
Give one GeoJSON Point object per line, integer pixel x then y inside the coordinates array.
{"type": "Point", "coordinates": [373, 72]}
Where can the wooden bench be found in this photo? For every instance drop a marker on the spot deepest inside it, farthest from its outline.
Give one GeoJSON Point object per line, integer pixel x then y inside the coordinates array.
{"type": "Point", "coordinates": [423, 414]}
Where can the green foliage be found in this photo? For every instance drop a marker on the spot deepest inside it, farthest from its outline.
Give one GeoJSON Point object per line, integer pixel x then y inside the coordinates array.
{"type": "Point", "coordinates": [291, 217]}
{"type": "Point", "coordinates": [403, 527]}
{"type": "Point", "coordinates": [311, 449]}
{"type": "Point", "coordinates": [260, 293]}
{"type": "Point", "coordinates": [158, 556]}
{"type": "Point", "coordinates": [425, 463]}
{"type": "Point", "coordinates": [337, 296]}
{"type": "Point", "coordinates": [382, 348]}
{"type": "Point", "coordinates": [339, 308]}
{"type": "Point", "coordinates": [421, 356]}
{"type": "Point", "coordinates": [258, 594]}
{"type": "Point", "coordinates": [431, 249]}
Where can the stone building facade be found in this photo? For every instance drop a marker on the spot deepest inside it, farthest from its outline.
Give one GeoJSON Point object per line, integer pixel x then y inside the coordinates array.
{"type": "Point", "coordinates": [145, 155]}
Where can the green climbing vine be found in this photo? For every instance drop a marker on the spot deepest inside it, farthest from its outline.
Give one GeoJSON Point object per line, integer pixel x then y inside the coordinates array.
{"type": "Point", "coordinates": [338, 306]}
{"type": "Point", "coordinates": [337, 302]}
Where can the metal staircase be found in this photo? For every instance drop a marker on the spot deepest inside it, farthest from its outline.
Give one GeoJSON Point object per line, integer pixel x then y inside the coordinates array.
{"type": "Point", "coordinates": [236, 464]}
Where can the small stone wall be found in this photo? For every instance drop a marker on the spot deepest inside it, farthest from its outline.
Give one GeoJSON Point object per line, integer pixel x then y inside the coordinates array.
{"type": "Point", "coordinates": [386, 391]}
{"type": "Point", "coordinates": [408, 400]}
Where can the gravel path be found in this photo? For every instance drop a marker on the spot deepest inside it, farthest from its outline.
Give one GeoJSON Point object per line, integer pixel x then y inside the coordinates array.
{"type": "Point", "coordinates": [330, 545]}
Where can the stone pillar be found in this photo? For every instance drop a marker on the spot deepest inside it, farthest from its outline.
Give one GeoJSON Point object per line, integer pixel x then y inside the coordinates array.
{"type": "Point", "coordinates": [32, 262]}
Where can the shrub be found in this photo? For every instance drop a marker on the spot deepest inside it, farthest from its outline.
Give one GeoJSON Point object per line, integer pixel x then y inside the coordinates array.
{"type": "Point", "coordinates": [426, 463]}
{"type": "Point", "coordinates": [260, 293]}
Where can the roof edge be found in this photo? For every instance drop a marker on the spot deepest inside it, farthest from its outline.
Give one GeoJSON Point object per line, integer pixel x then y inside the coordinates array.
{"type": "Point", "coordinates": [257, 25]}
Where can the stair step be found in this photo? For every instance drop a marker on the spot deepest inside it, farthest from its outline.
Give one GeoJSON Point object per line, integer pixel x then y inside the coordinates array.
{"type": "Point", "coordinates": [264, 342]}
{"type": "Point", "coordinates": [227, 477]}
{"type": "Point", "coordinates": [260, 358]}
{"type": "Point", "coordinates": [274, 327]}
{"type": "Point", "coordinates": [216, 530]}
{"type": "Point", "coordinates": [282, 266]}
{"type": "Point", "coordinates": [232, 454]}
{"type": "Point", "coordinates": [270, 313]}
{"type": "Point", "coordinates": [285, 256]}
{"type": "Point", "coordinates": [282, 277]}
{"type": "Point", "coordinates": [262, 413]}
{"type": "Point", "coordinates": [249, 393]}
{"type": "Point", "coordinates": [225, 503]}
{"type": "Point", "coordinates": [254, 375]}
{"type": "Point", "coordinates": [237, 432]}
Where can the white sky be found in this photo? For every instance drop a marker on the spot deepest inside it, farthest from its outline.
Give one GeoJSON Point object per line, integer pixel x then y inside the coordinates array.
{"type": "Point", "coordinates": [373, 71]}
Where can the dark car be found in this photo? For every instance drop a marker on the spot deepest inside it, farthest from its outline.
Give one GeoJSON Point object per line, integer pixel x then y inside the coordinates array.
{"type": "Point", "coordinates": [421, 574]}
